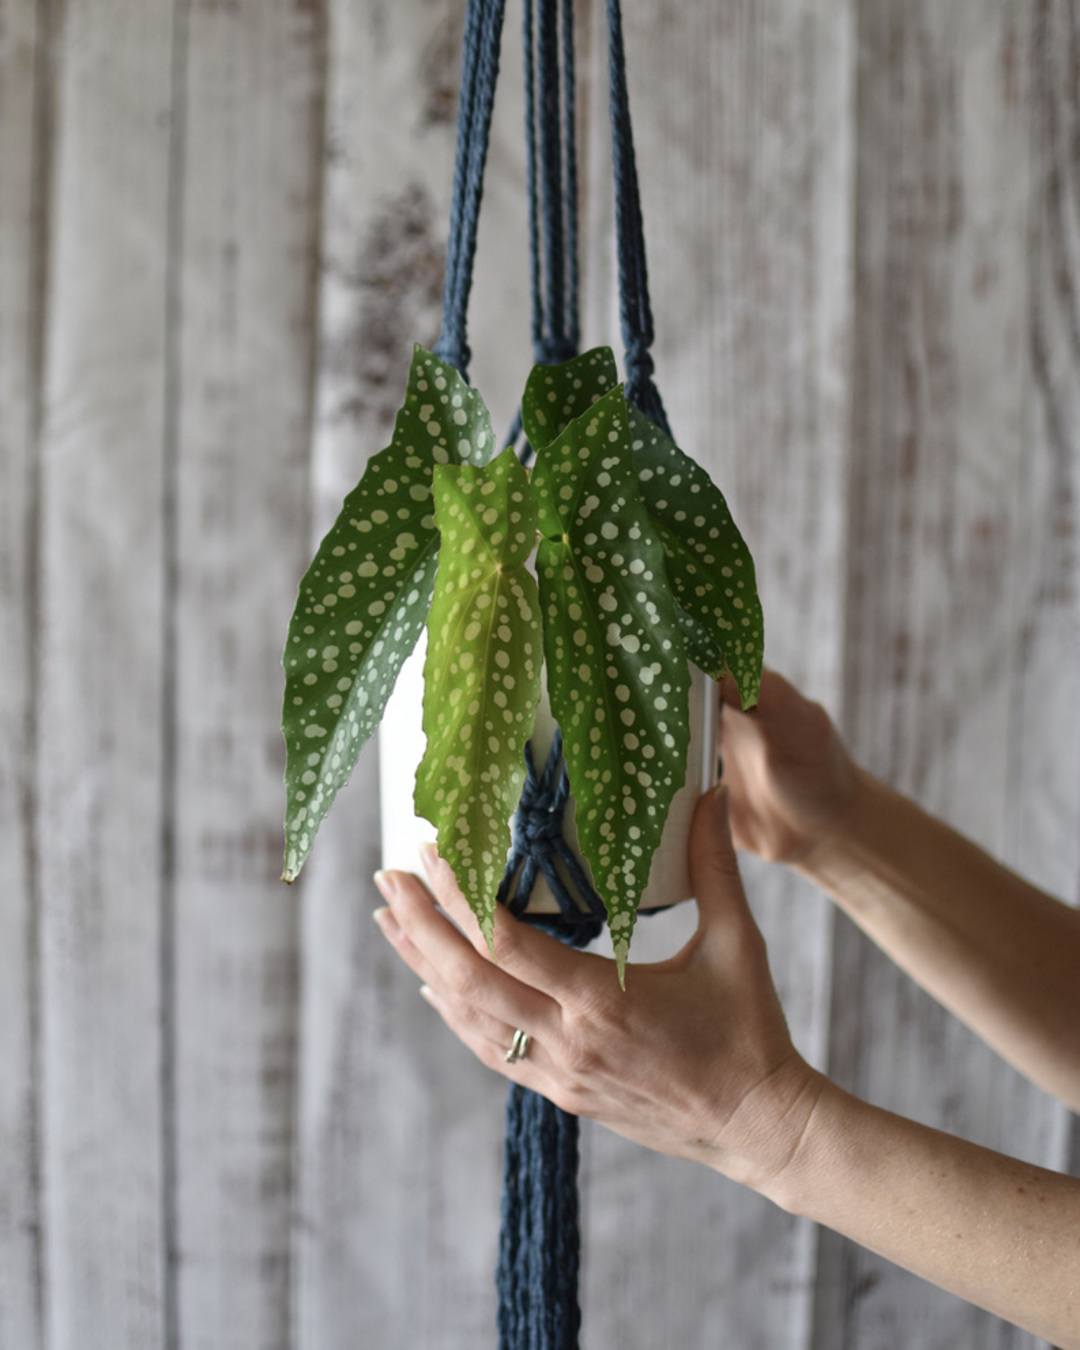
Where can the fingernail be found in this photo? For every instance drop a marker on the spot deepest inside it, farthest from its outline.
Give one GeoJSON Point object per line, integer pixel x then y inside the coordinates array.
{"type": "Point", "coordinates": [426, 994]}
{"type": "Point", "coordinates": [385, 921]}
{"type": "Point", "coordinates": [386, 884]}
{"type": "Point", "coordinates": [428, 856]}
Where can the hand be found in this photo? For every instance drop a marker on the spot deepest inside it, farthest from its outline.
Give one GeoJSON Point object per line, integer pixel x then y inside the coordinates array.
{"type": "Point", "coordinates": [791, 779]}
{"type": "Point", "coordinates": [694, 1060]}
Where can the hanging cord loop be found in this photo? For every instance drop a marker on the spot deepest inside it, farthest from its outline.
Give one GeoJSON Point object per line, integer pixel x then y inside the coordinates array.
{"type": "Point", "coordinates": [552, 183]}
{"type": "Point", "coordinates": [479, 73]}
{"type": "Point", "coordinates": [635, 309]}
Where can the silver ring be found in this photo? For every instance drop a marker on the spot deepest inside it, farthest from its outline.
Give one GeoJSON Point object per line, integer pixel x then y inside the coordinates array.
{"type": "Point", "coordinates": [519, 1046]}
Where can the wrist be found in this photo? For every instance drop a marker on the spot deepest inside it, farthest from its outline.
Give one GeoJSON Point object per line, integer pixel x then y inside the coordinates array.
{"type": "Point", "coordinates": [763, 1136]}
{"type": "Point", "coordinates": [815, 1150]}
{"type": "Point", "coordinates": [827, 854]}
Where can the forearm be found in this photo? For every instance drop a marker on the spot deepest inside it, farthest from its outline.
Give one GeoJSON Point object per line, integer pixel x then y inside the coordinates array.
{"type": "Point", "coordinates": [998, 1232]}
{"type": "Point", "coordinates": [997, 952]}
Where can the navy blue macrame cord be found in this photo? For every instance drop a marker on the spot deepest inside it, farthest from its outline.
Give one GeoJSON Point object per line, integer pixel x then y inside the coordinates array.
{"type": "Point", "coordinates": [479, 73]}
{"type": "Point", "coordinates": [539, 1241]}
{"type": "Point", "coordinates": [635, 309]}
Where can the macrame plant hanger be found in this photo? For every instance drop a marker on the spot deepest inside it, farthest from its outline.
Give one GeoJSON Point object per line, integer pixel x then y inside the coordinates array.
{"type": "Point", "coordinates": [539, 1241]}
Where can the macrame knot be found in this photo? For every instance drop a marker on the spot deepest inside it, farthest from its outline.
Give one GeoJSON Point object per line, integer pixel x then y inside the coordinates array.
{"type": "Point", "coordinates": [539, 846]}
{"type": "Point", "coordinates": [537, 823]}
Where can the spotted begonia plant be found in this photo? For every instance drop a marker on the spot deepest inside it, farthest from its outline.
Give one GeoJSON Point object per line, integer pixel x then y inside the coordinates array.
{"type": "Point", "coordinates": [641, 570]}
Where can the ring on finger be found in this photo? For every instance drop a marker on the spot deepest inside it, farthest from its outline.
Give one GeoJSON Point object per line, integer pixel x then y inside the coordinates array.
{"type": "Point", "coordinates": [519, 1046]}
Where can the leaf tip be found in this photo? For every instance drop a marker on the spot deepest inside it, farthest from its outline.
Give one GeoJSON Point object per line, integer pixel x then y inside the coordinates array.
{"type": "Point", "coordinates": [621, 951]}
{"type": "Point", "coordinates": [290, 868]}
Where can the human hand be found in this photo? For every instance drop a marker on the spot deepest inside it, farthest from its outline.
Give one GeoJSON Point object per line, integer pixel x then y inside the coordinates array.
{"type": "Point", "coordinates": [694, 1059]}
{"type": "Point", "coordinates": [791, 779]}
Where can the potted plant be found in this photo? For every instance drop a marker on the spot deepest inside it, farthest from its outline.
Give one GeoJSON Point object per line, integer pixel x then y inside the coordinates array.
{"type": "Point", "coordinates": [640, 572]}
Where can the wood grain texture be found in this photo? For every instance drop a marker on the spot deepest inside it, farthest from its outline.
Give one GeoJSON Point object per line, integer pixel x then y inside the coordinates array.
{"type": "Point", "coordinates": [962, 624]}
{"type": "Point", "coordinates": [1040, 833]}
{"type": "Point", "coordinates": [101, 766]}
{"type": "Point", "coordinates": [742, 120]}
{"type": "Point", "coordinates": [226, 1119]}
{"type": "Point", "coordinates": [385, 1091]}
{"type": "Point", "coordinates": [22, 160]}
{"type": "Point", "coordinates": [249, 111]}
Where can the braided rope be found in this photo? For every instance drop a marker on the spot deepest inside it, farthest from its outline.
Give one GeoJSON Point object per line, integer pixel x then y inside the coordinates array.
{"type": "Point", "coordinates": [539, 1242]}
{"type": "Point", "coordinates": [479, 73]}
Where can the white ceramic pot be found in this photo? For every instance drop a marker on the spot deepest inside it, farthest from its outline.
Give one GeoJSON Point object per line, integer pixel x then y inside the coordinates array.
{"type": "Point", "coordinates": [401, 747]}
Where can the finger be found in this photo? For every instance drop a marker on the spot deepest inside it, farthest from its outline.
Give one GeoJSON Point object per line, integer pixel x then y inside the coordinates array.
{"type": "Point", "coordinates": [413, 957]}
{"type": "Point", "coordinates": [528, 1072]}
{"type": "Point", "coordinates": [456, 965]}
{"type": "Point", "coordinates": [474, 1019]}
{"type": "Point", "coordinates": [714, 868]}
{"type": "Point", "coordinates": [468, 1017]}
{"type": "Point", "coordinates": [540, 961]}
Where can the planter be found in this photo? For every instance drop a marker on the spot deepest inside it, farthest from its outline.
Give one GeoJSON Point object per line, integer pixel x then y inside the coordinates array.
{"type": "Point", "coordinates": [401, 747]}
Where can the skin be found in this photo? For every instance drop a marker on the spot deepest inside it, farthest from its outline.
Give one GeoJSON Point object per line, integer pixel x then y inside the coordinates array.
{"type": "Point", "coordinates": [696, 1059]}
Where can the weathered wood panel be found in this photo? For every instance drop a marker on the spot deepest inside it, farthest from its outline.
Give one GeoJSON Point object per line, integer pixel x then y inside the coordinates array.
{"type": "Point", "coordinates": [385, 1092]}
{"type": "Point", "coordinates": [868, 328]}
{"type": "Point", "coordinates": [1041, 825]}
{"type": "Point", "coordinates": [962, 640]}
{"type": "Point", "coordinates": [249, 114]}
{"type": "Point", "coordinates": [742, 118]}
{"type": "Point", "coordinates": [22, 173]}
{"type": "Point", "coordinates": [101, 634]}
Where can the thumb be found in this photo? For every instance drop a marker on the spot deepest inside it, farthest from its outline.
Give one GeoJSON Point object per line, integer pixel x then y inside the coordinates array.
{"type": "Point", "coordinates": [714, 868]}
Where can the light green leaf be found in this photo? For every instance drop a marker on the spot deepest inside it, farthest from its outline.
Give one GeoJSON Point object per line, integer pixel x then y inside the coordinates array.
{"type": "Point", "coordinates": [617, 671]}
{"type": "Point", "coordinates": [555, 395]}
{"type": "Point", "coordinates": [708, 563]}
{"type": "Point", "coordinates": [363, 600]}
{"type": "Point", "coordinates": [481, 674]}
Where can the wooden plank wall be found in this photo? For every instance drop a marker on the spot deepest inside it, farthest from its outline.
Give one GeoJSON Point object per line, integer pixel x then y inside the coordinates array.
{"type": "Point", "coordinates": [101, 675]}
{"type": "Point", "coordinates": [226, 1120]}
{"type": "Point", "coordinates": [962, 647]}
{"type": "Point", "coordinates": [245, 295]}
{"type": "Point", "coordinates": [21, 155]}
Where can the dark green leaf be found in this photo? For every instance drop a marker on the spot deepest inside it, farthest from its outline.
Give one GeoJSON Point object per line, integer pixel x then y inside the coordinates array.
{"type": "Point", "coordinates": [709, 567]}
{"type": "Point", "coordinates": [555, 395]}
{"type": "Point", "coordinates": [482, 672]}
{"type": "Point", "coordinates": [708, 563]}
{"type": "Point", "coordinates": [363, 600]}
{"type": "Point", "coordinates": [617, 671]}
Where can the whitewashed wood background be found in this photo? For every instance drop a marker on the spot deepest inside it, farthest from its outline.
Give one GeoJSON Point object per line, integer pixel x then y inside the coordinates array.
{"type": "Point", "coordinates": [226, 1120]}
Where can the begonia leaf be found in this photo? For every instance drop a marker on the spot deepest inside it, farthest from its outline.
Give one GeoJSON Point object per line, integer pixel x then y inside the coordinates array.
{"type": "Point", "coordinates": [481, 673]}
{"type": "Point", "coordinates": [363, 601]}
{"type": "Point", "coordinates": [617, 671]}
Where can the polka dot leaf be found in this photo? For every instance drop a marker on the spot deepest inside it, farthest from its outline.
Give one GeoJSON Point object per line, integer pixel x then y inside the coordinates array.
{"type": "Point", "coordinates": [363, 601]}
{"type": "Point", "coordinates": [617, 671]}
{"type": "Point", "coordinates": [481, 673]}
{"type": "Point", "coordinates": [709, 566]}
{"type": "Point", "coordinates": [555, 395]}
